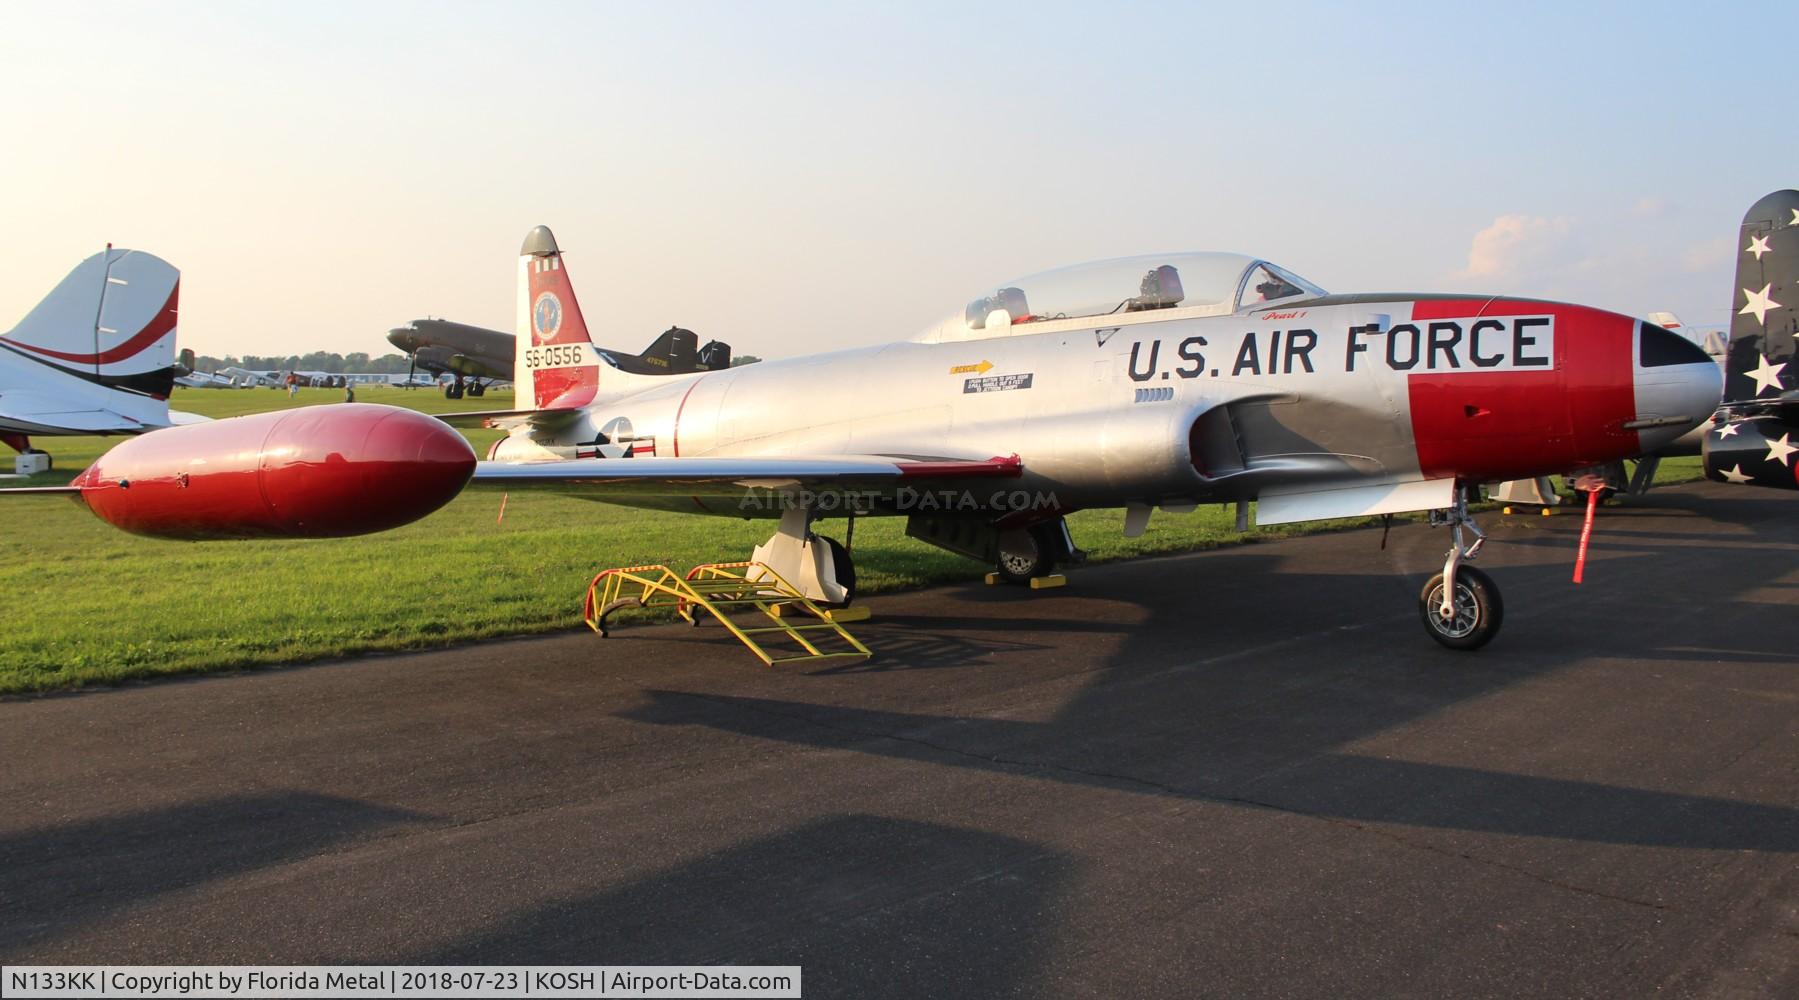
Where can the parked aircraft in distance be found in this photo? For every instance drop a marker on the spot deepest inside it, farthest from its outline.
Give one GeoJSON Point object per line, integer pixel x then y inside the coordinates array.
{"type": "Point", "coordinates": [412, 381]}
{"type": "Point", "coordinates": [96, 356]}
{"type": "Point", "coordinates": [276, 378]}
{"type": "Point", "coordinates": [1161, 381]}
{"type": "Point", "coordinates": [246, 378]}
{"type": "Point", "coordinates": [471, 354]}
{"type": "Point", "coordinates": [1753, 439]}
{"type": "Point", "coordinates": [187, 374]}
{"type": "Point", "coordinates": [204, 380]}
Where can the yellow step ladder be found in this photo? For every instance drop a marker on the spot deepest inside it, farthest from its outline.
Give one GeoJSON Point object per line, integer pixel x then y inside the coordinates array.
{"type": "Point", "coordinates": [720, 589]}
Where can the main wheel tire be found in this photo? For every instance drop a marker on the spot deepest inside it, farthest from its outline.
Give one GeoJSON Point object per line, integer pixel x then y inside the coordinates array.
{"type": "Point", "coordinates": [1024, 553]}
{"type": "Point", "coordinates": [453, 391]}
{"type": "Point", "coordinates": [845, 570]}
{"type": "Point", "coordinates": [477, 390]}
{"type": "Point", "coordinates": [1478, 610]}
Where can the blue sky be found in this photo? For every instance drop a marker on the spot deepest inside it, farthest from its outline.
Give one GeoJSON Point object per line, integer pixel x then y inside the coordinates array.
{"type": "Point", "coordinates": [795, 177]}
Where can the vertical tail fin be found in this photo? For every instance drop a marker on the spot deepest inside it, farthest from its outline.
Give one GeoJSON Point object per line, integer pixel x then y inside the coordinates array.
{"type": "Point", "coordinates": [676, 350]}
{"type": "Point", "coordinates": [1754, 442]}
{"type": "Point", "coordinates": [1761, 363]}
{"type": "Point", "coordinates": [556, 365]}
{"type": "Point", "coordinates": [111, 321]}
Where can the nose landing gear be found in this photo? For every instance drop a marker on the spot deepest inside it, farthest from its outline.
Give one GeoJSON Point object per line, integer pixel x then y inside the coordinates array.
{"type": "Point", "coordinates": [1460, 606]}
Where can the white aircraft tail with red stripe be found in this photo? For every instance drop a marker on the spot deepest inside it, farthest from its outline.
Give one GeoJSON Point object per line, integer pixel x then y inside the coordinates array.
{"type": "Point", "coordinates": [557, 366]}
{"type": "Point", "coordinates": [110, 322]}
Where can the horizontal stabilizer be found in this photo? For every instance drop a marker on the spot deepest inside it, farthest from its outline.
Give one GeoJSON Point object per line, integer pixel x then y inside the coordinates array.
{"type": "Point", "coordinates": [49, 411]}
{"type": "Point", "coordinates": [547, 419]}
{"type": "Point", "coordinates": [1785, 406]}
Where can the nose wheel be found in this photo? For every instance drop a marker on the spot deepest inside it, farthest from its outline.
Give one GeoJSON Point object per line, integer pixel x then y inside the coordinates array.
{"type": "Point", "coordinates": [1461, 606]}
{"type": "Point", "coordinates": [1475, 610]}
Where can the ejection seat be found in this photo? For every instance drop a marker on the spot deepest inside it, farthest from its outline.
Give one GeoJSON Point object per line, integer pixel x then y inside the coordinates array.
{"type": "Point", "coordinates": [1011, 300]}
{"type": "Point", "coordinates": [1160, 289]}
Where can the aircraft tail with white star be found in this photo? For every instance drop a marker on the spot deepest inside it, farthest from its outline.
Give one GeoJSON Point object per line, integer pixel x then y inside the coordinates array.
{"type": "Point", "coordinates": [1753, 442]}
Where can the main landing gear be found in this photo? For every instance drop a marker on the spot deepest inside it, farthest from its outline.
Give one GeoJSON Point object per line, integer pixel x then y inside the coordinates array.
{"type": "Point", "coordinates": [1460, 606]}
{"type": "Point", "coordinates": [474, 387]}
{"type": "Point", "coordinates": [32, 461]}
{"type": "Point", "coordinates": [818, 567]}
{"type": "Point", "coordinates": [1027, 554]}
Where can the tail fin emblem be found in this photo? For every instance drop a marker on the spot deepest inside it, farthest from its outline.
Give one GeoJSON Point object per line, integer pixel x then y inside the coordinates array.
{"type": "Point", "coordinates": [546, 317]}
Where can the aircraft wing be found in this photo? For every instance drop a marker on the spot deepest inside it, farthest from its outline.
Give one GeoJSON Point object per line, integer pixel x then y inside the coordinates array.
{"type": "Point", "coordinates": [744, 486]}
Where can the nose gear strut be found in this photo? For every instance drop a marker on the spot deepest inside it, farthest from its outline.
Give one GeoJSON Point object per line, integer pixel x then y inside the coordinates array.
{"type": "Point", "coordinates": [1460, 606]}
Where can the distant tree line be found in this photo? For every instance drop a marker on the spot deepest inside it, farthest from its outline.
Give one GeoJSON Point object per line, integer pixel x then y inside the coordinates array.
{"type": "Point", "coordinates": [357, 363]}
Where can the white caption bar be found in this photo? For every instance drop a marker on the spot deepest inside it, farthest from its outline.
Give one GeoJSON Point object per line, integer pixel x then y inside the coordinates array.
{"type": "Point", "coordinates": [400, 981]}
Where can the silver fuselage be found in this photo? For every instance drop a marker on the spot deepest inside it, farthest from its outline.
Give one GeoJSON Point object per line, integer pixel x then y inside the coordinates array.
{"type": "Point", "coordinates": [1161, 408]}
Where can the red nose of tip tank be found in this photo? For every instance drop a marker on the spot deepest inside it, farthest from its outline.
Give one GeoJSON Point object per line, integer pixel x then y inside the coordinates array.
{"type": "Point", "coordinates": [314, 472]}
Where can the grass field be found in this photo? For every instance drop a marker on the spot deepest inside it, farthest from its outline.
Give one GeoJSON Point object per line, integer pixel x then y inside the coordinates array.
{"type": "Point", "coordinates": [88, 604]}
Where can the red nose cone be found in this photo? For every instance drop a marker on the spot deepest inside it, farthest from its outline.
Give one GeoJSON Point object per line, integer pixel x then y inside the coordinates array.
{"type": "Point", "coordinates": [1539, 388]}
{"type": "Point", "coordinates": [317, 472]}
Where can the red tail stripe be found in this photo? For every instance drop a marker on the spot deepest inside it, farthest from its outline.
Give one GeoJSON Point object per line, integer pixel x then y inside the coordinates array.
{"type": "Point", "coordinates": [161, 324]}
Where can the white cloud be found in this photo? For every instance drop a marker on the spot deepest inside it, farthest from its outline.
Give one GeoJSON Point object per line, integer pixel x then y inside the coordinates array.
{"type": "Point", "coordinates": [1516, 246]}
{"type": "Point", "coordinates": [1623, 259]}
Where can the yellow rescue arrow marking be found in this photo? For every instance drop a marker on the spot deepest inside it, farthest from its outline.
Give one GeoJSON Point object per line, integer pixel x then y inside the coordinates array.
{"type": "Point", "coordinates": [979, 369]}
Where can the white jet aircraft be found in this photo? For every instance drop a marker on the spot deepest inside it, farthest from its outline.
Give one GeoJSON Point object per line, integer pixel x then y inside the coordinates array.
{"type": "Point", "coordinates": [1164, 381]}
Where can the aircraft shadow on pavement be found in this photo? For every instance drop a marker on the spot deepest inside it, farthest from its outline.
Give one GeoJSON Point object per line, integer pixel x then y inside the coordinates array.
{"type": "Point", "coordinates": [930, 642]}
{"type": "Point", "coordinates": [901, 648]}
{"type": "Point", "coordinates": [1737, 652]}
{"type": "Point", "coordinates": [1209, 696]}
{"type": "Point", "coordinates": [57, 879]}
{"type": "Point", "coordinates": [1605, 540]}
{"type": "Point", "coordinates": [1345, 786]}
{"type": "Point", "coordinates": [986, 904]}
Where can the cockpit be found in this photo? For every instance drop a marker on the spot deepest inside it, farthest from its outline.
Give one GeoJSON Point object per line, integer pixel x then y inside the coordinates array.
{"type": "Point", "coordinates": [1195, 284]}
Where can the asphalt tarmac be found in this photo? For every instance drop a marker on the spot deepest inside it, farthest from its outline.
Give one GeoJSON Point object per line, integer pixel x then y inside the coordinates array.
{"type": "Point", "coordinates": [1246, 772]}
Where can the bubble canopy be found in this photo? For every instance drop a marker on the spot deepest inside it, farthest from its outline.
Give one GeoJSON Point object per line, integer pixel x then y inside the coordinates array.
{"type": "Point", "coordinates": [1197, 284]}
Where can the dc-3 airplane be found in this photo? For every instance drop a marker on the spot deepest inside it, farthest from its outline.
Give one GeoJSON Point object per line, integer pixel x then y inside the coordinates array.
{"type": "Point", "coordinates": [1162, 381]}
{"type": "Point", "coordinates": [471, 354]}
{"type": "Point", "coordinates": [96, 356]}
{"type": "Point", "coordinates": [1752, 443]}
